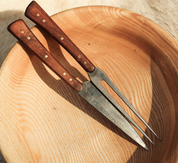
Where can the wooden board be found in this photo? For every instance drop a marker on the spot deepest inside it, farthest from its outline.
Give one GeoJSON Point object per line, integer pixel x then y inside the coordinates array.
{"type": "Point", "coordinates": [43, 120]}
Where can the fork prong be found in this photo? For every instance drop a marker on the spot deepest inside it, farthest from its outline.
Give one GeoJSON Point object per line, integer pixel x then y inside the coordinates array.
{"type": "Point", "coordinates": [138, 115]}
{"type": "Point", "coordinates": [119, 93]}
{"type": "Point", "coordinates": [94, 78]}
{"type": "Point", "coordinates": [122, 111]}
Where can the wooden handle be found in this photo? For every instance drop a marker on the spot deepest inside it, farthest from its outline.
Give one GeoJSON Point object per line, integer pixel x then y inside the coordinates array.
{"type": "Point", "coordinates": [21, 31]}
{"type": "Point", "coordinates": [40, 17]}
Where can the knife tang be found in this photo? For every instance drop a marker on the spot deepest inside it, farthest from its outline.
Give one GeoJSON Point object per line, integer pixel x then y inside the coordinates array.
{"type": "Point", "coordinates": [21, 31]}
{"type": "Point", "coordinates": [41, 18]}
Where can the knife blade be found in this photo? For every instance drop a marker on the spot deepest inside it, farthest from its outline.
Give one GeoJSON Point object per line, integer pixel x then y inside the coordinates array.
{"type": "Point", "coordinates": [35, 13]}
{"type": "Point", "coordinates": [86, 89]}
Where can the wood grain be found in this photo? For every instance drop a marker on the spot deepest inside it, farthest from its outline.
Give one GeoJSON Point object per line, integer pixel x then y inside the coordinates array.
{"type": "Point", "coordinates": [21, 31]}
{"type": "Point", "coordinates": [35, 13]}
{"type": "Point", "coordinates": [44, 120]}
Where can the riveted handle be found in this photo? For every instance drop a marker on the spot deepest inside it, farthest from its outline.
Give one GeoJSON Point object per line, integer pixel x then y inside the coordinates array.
{"type": "Point", "coordinates": [21, 31]}
{"type": "Point", "coordinates": [40, 17]}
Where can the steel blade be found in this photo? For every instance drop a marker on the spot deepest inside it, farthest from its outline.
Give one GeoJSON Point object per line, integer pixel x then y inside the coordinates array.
{"type": "Point", "coordinates": [96, 77]}
{"type": "Point", "coordinates": [92, 95]}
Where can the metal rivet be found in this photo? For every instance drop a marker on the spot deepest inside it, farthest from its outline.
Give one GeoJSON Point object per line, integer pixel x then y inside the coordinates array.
{"type": "Point", "coordinates": [64, 74]}
{"type": "Point", "coordinates": [79, 56]}
{"type": "Point", "coordinates": [22, 32]}
{"type": "Point", "coordinates": [37, 14]}
{"type": "Point", "coordinates": [28, 38]}
{"type": "Point", "coordinates": [70, 79]}
{"type": "Point", "coordinates": [46, 56]}
{"type": "Point", "coordinates": [62, 38]}
{"type": "Point", "coordinates": [43, 20]}
{"type": "Point", "coordinates": [85, 63]}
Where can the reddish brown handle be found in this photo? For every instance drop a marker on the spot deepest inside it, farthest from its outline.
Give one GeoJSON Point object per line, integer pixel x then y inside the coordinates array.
{"type": "Point", "coordinates": [20, 30]}
{"type": "Point", "coordinates": [40, 17]}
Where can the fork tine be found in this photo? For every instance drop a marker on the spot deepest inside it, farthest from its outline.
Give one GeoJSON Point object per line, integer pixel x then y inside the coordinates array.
{"type": "Point", "coordinates": [104, 77]}
{"type": "Point", "coordinates": [119, 93]}
{"type": "Point", "coordinates": [138, 115]}
{"type": "Point", "coordinates": [120, 109]}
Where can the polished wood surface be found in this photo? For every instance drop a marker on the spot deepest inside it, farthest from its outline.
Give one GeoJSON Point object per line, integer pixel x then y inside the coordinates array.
{"type": "Point", "coordinates": [35, 13]}
{"type": "Point", "coordinates": [43, 120]}
{"type": "Point", "coordinates": [21, 31]}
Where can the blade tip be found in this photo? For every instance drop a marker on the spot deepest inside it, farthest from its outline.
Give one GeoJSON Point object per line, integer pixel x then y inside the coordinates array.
{"type": "Point", "coordinates": [146, 148]}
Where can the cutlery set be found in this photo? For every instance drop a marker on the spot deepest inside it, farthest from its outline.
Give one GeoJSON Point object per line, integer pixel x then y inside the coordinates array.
{"type": "Point", "coordinates": [92, 91]}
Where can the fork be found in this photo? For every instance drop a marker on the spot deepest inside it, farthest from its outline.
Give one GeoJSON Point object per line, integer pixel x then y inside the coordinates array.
{"type": "Point", "coordinates": [35, 13]}
{"type": "Point", "coordinates": [96, 75]}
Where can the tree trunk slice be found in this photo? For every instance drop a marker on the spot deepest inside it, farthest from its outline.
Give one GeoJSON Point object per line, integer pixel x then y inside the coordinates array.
{"type": "Point", "coordinates": [43, 120]}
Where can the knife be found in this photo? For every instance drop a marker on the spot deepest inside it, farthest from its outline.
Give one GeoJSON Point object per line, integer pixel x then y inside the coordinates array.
{"type": "Point", "coordinates": [86, 90]}
{"type": "Point", "coordinates": [35, 13]}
